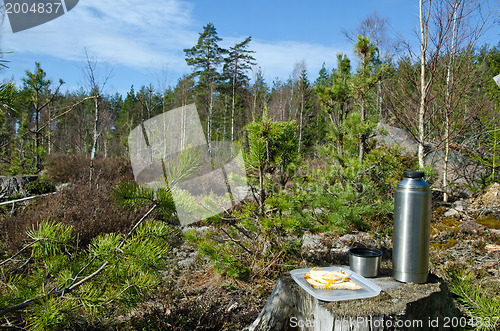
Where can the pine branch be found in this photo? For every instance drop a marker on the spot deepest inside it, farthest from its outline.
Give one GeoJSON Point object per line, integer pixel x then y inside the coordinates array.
{"type": "Point", "coordinates": [74, 284]}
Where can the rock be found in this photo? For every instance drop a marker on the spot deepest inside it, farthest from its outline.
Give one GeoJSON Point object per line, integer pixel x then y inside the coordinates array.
{"type": "Point", "coordinates": [451, 212]}
{"type": "Point", "coordinates": [489, 199]}
{"type": "Point", "coordinates": [328, 249]}
{"type": "Point", "coordinates": [396, 136]}
{"type": "Point", "coordinates": [470, 226]}
{"type": "Point", "coordinates": [349, 241]}
{"type": "Point", "coordinates": [201, 230]}
{"type": "Point", "coordinates": [184, 257]}
{"type": "Point", "coordinates": [187, 262]}
{"type": "Point", "coordinates": [241, 193]}
{"type": "Point", "coordinates": [64, 186]}
{"type": "Point", "coordinates": [232, 307]}
{"type": "Point", "coordinates": [459, 205]}
{"type": "Point", "coordinates": [461, 170]}
{"type": "Point", "coordinates": [311, 242]}
{"type": "Point", "coordinates": [399, 306]}
{"type": "Point", "coordinates": [10, 185]}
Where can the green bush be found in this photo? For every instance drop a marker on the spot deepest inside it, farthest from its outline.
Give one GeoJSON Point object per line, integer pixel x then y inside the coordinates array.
{"type": "Point", "coordinates": [223, 257]}
{"type": "Point", "coordinates": [344, 195]}
{"type": "Point", "coordinates": [480, 306]}
{"type": "Point", "coordinates": [40, 186]}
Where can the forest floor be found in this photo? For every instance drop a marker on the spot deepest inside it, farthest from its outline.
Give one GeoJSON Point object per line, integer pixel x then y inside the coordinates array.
{"type": "Point", "coordinates": [464, 235]}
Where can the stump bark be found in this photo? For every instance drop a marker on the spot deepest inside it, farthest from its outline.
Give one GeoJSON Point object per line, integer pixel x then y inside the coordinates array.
{"type": "Point", "coordinates": [399, 306]}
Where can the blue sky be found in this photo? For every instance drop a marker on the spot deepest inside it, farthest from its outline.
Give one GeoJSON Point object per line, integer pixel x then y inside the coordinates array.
{"type": "Point", "coordinates": [142, 42]}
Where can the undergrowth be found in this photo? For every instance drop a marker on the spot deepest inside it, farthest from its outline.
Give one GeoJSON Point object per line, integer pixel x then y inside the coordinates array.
{"type": "Point", "coordinates": [481, 306]}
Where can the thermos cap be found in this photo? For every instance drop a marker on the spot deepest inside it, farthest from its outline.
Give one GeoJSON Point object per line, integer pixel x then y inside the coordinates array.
{"type": "Point", "coordinates": [413, 180]}
{"type": "Point", "coordinates": [413, 174]}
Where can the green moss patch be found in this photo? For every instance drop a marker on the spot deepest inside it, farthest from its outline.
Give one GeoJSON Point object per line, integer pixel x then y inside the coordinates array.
{"type": "Point", "coordinates": [489, 221]}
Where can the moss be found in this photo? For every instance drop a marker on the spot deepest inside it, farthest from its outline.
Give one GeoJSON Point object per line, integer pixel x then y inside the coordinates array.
{"type": "Point", "coordinates": [440, 246]}
{"type": "Point", "coordinates": [445, 225]}
{"type": "Point", "coordinates": [489, 221]}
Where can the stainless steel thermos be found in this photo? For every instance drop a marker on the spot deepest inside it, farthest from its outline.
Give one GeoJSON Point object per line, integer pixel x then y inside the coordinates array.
{"type": "Point", "coordinates": [412, 214]}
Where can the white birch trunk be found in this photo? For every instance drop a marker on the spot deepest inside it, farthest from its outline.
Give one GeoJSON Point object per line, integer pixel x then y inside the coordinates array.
{"type": "Point", "coordinates": [423, 89]}
{"type": "Point", "coordinates": [448, 108]}
{"type": "Point", "coordinates": [95, 136]}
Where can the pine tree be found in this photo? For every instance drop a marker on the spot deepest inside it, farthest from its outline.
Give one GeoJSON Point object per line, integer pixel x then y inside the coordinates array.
{"type": "Point", "coordinates": [7, 94]}
{"type": "Point", "coordinates": [305, 107]}
{"type": "Point", "coordinates": [184, 91]}
{"type": "Point", "coordinates": [205, 58]}
{"type": "Point", "coordinates": [237, 64]}
{"type": "Point", "coordinates": [260, 95]}
{"type": "Point", "coordinates": [335, 97]}
{"type": "Point", "coordinates": [367, 76]}
{"type": "Point", "coordinates": [37, 87]}
{"type": "Point", "coordinates": [129, 115]}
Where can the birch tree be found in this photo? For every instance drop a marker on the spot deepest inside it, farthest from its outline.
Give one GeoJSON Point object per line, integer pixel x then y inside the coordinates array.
{"type": "Point", "coordinates": [424, 83]}
{"type": "Point", "coordinates": [95, 92]}
{"type": "Point", "coordinates": [464, 22]}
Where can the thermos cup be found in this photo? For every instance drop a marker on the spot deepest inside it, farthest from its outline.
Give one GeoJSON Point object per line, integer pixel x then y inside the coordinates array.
{"type": "Point", "coordinates": [412, 214]}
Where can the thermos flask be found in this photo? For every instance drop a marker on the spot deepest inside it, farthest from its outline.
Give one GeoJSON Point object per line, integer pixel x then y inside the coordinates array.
{"type": "Point", "coordinates": [412, 214]}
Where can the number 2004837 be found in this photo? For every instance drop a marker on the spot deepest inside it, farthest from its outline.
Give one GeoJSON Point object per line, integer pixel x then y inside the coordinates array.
{"type": "Point", "coordinates": [33, 8]}
{"type": "Point", "coordinates": [474, 322]}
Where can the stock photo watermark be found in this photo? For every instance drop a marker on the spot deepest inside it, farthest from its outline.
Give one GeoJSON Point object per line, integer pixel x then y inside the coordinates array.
{"type": "Point", "coordinates": [170, 151]}
{"type": "Point", "coordinates": [387, 323]}
{"type": "Point", "coordinates": [26, 14]}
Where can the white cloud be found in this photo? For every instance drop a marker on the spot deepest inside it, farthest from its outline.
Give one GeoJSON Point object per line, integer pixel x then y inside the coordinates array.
{"type": "Point", "coordinates": [278, 59]}
{"type": "Point", "coordinates": [130, 33]}
{"type": "Point", "coordinates": [147, 36]}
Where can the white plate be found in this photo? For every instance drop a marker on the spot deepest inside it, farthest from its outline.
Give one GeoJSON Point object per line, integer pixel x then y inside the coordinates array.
{"type": "Point", "coordinates": [369, 288]}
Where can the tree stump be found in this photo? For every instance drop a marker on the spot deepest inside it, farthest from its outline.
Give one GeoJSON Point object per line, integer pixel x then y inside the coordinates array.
{"type": "Point", "coordinates": [399, 306]}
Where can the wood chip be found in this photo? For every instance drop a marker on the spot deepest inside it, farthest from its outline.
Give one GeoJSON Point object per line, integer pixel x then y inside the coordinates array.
{"type": "Point", "coordinates": [493, 248]}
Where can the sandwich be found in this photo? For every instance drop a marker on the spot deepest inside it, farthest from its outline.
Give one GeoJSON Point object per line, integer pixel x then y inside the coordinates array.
{"type": "Point", "coordinates": [331, 280]}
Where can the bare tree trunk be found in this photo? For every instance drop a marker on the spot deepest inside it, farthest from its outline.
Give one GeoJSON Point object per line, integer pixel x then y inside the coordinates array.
{"type": "Point", "coordinates": [233, 101]}
{"type": "Point", "coordinates": [95, 136]}
{"type": "Point", "coordinates": [423, 87]}
{"type": "Point", "coordinates": [300, 120]}
{"type": "Point", "coordinates": [379, 99]}
{"type": "Point", "coordinates": [49, 139]}
{"type": "Point", "coordinates": [95, 92]}
{"type": "Point", "coordinates": [105, 143]}
{"type": "Point", "coordinates": [209, 122]}
{"type": "Point", "coordinates": [448, 110]}
{"type": "Point", "coordinates": [37, 133]}
{"type": "Point", "coordinates": [362, 136]}
{"type": "Point", "coordinates": [494, 161]}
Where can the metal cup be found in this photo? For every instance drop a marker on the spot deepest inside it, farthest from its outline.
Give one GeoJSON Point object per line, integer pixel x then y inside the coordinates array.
{"type": "Point", "coordinates": [365, 261]}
